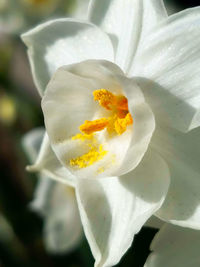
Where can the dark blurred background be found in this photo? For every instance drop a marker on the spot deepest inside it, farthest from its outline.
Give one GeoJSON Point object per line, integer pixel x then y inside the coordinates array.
{"type": "Point", "coordinates": [21, 241]}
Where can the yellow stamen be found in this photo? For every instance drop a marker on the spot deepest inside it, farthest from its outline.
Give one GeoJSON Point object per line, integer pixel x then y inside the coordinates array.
{"type": "Point", "coordinates": [95, 154]}
{"type": "Point", "coordinates": [90, 127]}
{"type": "Point", "coordinates": [117, 123]}
{"type": "Point", "coordinates": [105, 98]}
{"type": "Point", "coordinates": [121, 124]}
{"type": "Point", "coordinates": [110, 101]}
{"type": "Point", "coordinates": [121, 103]}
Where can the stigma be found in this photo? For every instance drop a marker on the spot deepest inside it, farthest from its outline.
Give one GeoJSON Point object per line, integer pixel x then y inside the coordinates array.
{"type": "Point", "coordinates": [114, 124]}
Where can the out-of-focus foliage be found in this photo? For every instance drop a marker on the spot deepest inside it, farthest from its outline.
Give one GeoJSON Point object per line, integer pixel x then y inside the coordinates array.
{"type": "Point", "coordinates": [19, 15]}
{"type": "Point", "coordinates": [21, 242]}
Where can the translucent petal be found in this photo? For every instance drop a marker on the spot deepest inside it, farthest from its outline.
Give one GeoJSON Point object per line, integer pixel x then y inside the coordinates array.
{"type": "Point", "coordinates": [62, 229]}
{"type": "Point", "coordinates": [175, 247]}
{"type": "Point", "coordinates": [61, 42]}
{"type": "Point", "coordinates": [37, 145]}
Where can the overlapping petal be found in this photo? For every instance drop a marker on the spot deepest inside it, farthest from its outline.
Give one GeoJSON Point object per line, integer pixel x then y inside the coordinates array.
{"type": "Point", "coordinates": [114, 209]}
{"type": "Point", "coordinates": [37, 143]}
{"type": "Point", "coordinates": [31, 142]}
{"type": "Point", "coordinates": [126, 22]}
{"type": "Point", "coordinates": [56, 202]}
{"type": "Point", "coordinates": [62, 229]}
{"type": "Point", "coordinates": [170, 57]}
{"type": "Point", "coordinates": [182, 153]}
{"type": "Point", "coordinates": [61, 42]}
{"type": "Point", "coordinates": [42, 195]}
{"type": "Point", "coordinates": [143, 125]}
{"type": "Point", "coordinates": [175, 247]}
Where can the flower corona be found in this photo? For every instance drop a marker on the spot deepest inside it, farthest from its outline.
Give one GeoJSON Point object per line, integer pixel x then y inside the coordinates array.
{"type": "Point", "coordinates": [117, 123]}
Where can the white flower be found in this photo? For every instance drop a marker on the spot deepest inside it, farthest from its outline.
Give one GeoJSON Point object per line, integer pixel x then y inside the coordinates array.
{"type": "Point", "coordinates": [135, 53]}
{"type": "Point", "coordinates": [175, 247]}
{"type": "Point", "coordinates": [56, 203]}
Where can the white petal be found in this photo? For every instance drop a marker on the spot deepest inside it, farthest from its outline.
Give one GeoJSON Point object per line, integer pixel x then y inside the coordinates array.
{"type": "Point", "coordinates": [175, 247]}
{"type": "Point", "coordinates": [114, 209]}
{"type": "Point", "coordinates": [56, 202]}
{"type": "Point", "coordinates": [143, 125]}
{"type": "Point", "coordinates": [42, 195]}
{"type": "Point", "coordinates": [62, 42]}
{"type": "Point", "coordinates": [126, 22]}
{"type": "Point", "coordinates": [69, 101]}
{"type": "Point", "coordinates": [63, 229]}
{"type": "Point", "coordinates": [32, 141]}
{"type": "Point", "coordinates": [182, 153]}
{"type": "Point", "coordinates": [170, 57]}
{"type": "Point", "coordinates": [46, 161]}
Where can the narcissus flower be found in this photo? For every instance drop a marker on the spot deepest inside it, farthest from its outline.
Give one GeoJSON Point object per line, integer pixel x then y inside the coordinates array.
{"type": "Point", "coordinates": [55, 202]}
{"type": "Point", "coordinates": [120, 94]}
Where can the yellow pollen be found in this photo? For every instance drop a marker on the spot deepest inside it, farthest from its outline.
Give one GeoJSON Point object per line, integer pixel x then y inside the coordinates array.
{"type": "Point", "coordinates": [90, 127]}
{"type": "Point", "coordinates": [83, 137]}
{"type": "Point", "coordinates": [95, 154]}
{"type": "Point", "coordinates": [100, 170]}
{"type": "Point", "coordinates": [117, 123]}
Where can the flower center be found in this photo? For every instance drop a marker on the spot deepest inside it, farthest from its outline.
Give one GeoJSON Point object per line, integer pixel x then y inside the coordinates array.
{"type": "Point", "coordinates": [115, 124]}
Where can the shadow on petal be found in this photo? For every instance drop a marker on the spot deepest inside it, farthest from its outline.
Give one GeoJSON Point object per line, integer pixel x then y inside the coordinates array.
{"type": "Point", "coordinates": [168, 109]}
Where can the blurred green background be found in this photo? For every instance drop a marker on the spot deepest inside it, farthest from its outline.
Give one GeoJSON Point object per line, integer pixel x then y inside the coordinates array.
{"type": "Point", "coordinates": [21, 241]}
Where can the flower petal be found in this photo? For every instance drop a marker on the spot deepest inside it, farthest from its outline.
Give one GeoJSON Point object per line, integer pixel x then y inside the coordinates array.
{"type": "Point", "coordinates": [182, 153]}
{"type": "Point", "coordinates": [62, 42]}
{"type": "Point", "coordinates": [170, 57]}
{"type": "Point", "coordinates": [114, 209]}
{"type": "Point", "coordinates": [31, 142]}
{"type": "Point", "coordinates": [175, 246]}
{"type": "Point", "coordinates": [143, 124]}
{"type": "Point", "coordinates": [70, 94]}
{"type": "Point", "coordinates": [63, 229]}
{"type": "Point", "coordinates": [55, 201]}
{"type": "Point", "coordinates": [46, 161]}
{"type": "Point", "coordinates": [126, 22]}
{"type": "Point", "coordinates": [42, 195]}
